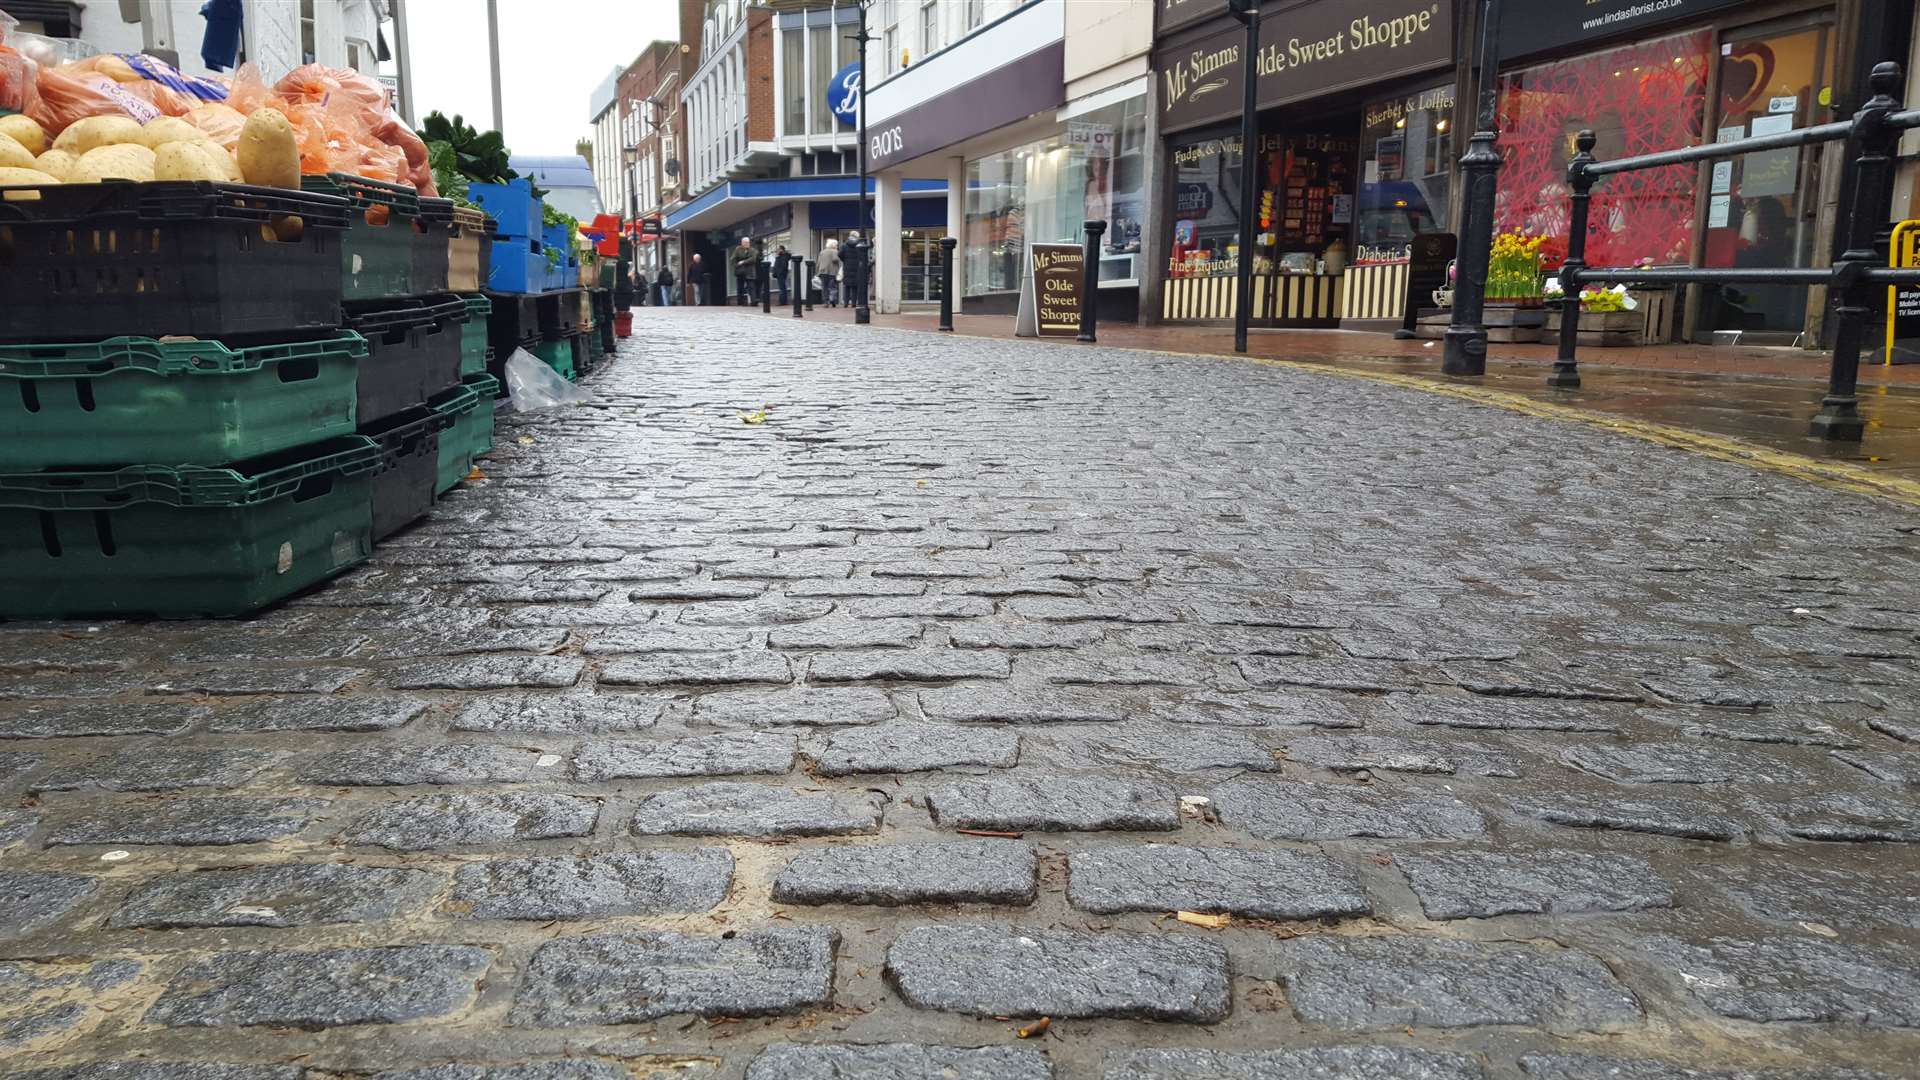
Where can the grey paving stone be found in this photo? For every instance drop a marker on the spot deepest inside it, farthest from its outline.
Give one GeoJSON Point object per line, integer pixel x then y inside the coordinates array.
{"type": "Point", "coordinates": [1895, 727]}
{"type": "Point", "coordinates": [850, 634]}
{"type": "Point", "coordinates": [897, 1061]}
{"type": "Point", "coordinates": [436, 821]}
{"type": "Point", "coordinates": [559, 714]}
{"type": "Point", "coordinates": [652, 639]}
{"type": "Point", "coordinates": [1089, 668]}
{"type": "Point", "coordinates": [1654, 762]}
{"type": "Point", "coordinates": [1275, 809]}
{"type": "Point", "coordinates": [32, 899]}
{"type": "Point", "coordinates": [160, 769]}
{"type": "Point", "coordinates": [793, 708]}
{"type": "Point", "coordinates": [324, 988]}
{"type": "Point", "coordinates": [975, 871]}
{"type": "Point", "coordinates": [490, 673]}
{"type": "Point", "coordinates": [1385, 753]}
{"type": "Point", "coordinates": [982, 635]}
{"type": "Point", "coordinates": [1508, 714]}
{"type": "Point", "coordinates": [1221, 640]}
{"type": "Point", "coordinates": [992, 971]}
{"type": "Point", "coordinates": [688, 591]}
{"type": "Point", "coordinates": [272, 679]}
{"type": "Point", "coordinates": [16, 825]}
{"type": "Point", "coordinates": [569, 1069]}
{"type": "Point", "coordinates": [1753, 727]}
{"type": "Point", "coordinates": [1791, 977]}
{"type": "Point", "coordinates": [909, 746]}
{"type": "Point", "coordinates": [164, 1070]}
{"type": "Point", "coordinates": [1790, 895]}
{"type": "Point", "coordinates": [190, 821]}
{"type": "Point", "coordinates": [1579, 1067]}
{"type": "Point", "coordinates": [536, 594]}
{"type": "Point", "coordinates": [42, 1004]}
{"type": "Point", "coordinates": [1352, 676]}
{"type": "Point", "coordinates": [771, 611]}
{"type": "Point", "coordinates": [785, 568]}
{"type": "Point", "coordinates": [855, 587]}
{"type": "Point", "coordinates": [908, 665]}
{"type": "Point", "coordinates": [1165, 877]}
{"type": "Point", "coordinates": [1362, 646]}
{"type": "Point", "coordinates": [1260, 709]}
{"type": "Point", "coordinates": [1053, 804]}
{"type": "Point", "coordinates": [1519, 679]}
{"type": "Point", "coordinates": [1847, 817]}
{"type": "Point", "coordinates": [1691, 819]}
{"type": "Point", "coordinates": [593, 886]}
{"type": "Point", "coordinates": [1047, 705]}
{"type": "Point", "coordinates": [1148, 745]}
{"type": "Point", "coordinates": [68, 720]}
{"type": "Point", "coordinates": [630, 978]}
{"type": "Point", "coordinates": [1899, 768]}
{"type": "Point", "coordinates": [453, 763]}
{"type": "Point", "coordinates": [698, 669]}
{"type": "Point", "coordinates": [1229, 614]}
{"type": "Point", "coordinates": [1389, 983]}
{"type": "Point", "coordinates": [1482, 884]}
{"type": "Point", "coordinates": [280, 896]}
{"type": "Point", "coordinates": [921, 607]}
{"type": "Point", "coordinates": [13, 765]}
{"type": "Point", "coordinates": [737, 809]}
{"type": "Point", "coordinates": [1316, 1063]}
{"type": "Point", "coordinates": [1069, 609]}
{"type": "Point", "coordinates": [726, 754]}
{"type": "Point", "coordinates": [318, 714]}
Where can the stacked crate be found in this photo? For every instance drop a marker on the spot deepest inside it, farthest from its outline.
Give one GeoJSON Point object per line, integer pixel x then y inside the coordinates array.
{"type": "Point", "coordinates": [180, 387]}
{"type": "Point", "coordinates": [538, 304]}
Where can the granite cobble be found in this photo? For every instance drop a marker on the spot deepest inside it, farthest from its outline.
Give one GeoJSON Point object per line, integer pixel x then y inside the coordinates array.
{"type": "Point", "coordinates": [1479, 746]}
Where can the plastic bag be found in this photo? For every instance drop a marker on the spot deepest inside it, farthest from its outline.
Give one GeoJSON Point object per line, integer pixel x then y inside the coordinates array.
{"type": "Point", "coordinates": [19, 82]}
{"type": "Point", "coordinates": [66, 98]}
{"type": "Point", "coordinates": [533, 385]}
{"type": "Point", "coordinates": [249, 91]}
{"type": "Point", "coordinates": [221, 123]}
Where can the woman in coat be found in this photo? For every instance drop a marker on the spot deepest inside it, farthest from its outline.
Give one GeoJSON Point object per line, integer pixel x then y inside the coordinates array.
{"type": "Point", "coordinates": [828, 268]}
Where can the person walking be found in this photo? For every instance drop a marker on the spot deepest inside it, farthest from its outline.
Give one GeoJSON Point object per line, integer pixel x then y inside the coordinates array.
{"type": "Point", "coordinates": [663, 286]}
{"type": "Point", "coordinates": [746, 269]}
{"type": "Point", "coordinates": [694, 291]}
{"type": "Point", "coordinates": [828, 269]}
{"type": "Point", "coordinates": [639, 287]}
{"type": "Point", "coordinates": [782, 262]}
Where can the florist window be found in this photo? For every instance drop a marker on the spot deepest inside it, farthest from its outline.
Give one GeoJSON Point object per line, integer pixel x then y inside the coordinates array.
{"type": "Point", "coordinates": [1638, 99]}
{"type": "Point", "coordinates": [1206, 207]}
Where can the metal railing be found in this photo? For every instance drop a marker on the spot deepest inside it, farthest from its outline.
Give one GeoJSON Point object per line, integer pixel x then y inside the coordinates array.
{"type": "Point", "coordinates": [1856, 277]}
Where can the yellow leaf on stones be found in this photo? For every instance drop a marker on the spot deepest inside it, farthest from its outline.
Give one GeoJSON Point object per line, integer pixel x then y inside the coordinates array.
{"type": "Point", "coordinates": [759, 417]}
{"type": "Point", "coordinates": [526, 440]}
{"type": "Point", "coordinates": [476, 474]}
{"type": "Point", "coordinates": [1210, 922]}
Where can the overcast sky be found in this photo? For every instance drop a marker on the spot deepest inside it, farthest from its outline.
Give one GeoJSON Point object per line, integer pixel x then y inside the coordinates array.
{"type": "Point", "coordinates": [552, 55]}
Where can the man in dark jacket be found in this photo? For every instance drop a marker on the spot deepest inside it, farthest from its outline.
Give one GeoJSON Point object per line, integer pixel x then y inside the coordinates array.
{"type": "Point", "coordinates": [639, 287]}
{"type": "Point", "coordinates": [782, 261]}
{"type": "Point", "coordinates": [663, 285]}
{"type": "Point", "coordinates": [746, 271]}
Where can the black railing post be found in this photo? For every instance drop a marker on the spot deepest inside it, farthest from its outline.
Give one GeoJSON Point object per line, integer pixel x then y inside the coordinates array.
{"type": "Point", "coordinates": [1839, 418]}
{"type": "Point", "coordinates": [1466, 340]}
{"type": "Point", "coordinates": [1090, 277]}
{"type": "Point", "coordinates": [766, 294]}
{"type": "Point", "coordinates": [947, 244]}
{"type": "Point", "coordinates": [808, 289]}
{"type": "Point", "coordinates": [1566, 370]}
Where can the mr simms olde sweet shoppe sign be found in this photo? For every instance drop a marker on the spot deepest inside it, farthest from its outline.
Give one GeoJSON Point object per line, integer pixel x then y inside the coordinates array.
{"type": "Point", "coordinates": [1304, 51]}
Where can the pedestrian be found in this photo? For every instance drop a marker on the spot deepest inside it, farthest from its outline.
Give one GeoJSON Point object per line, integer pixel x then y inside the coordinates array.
{"type": "Point", "coordinates": [746, 269]}
{"type": "Point", "coordinates": [827, 272]}
{"type": "Point", "coordinates": [663, 286]}
{"type": "Point", "coordinates": [853, 270]}
{"type": "Point", "coordinates": [782, 262]}
{"type": "Point", "coordinates": [694, 291]}
{"type": "Point", "coordinates": [639, 287]}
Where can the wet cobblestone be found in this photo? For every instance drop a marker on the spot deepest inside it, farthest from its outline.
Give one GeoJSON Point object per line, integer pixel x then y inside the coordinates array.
{"type": "Point", "coordinates": [1511, 750]}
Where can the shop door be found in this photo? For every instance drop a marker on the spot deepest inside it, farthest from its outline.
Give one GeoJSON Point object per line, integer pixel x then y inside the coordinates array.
{"type": "Point", "coordinates": [1763, 209]}
{"type": "Point", "coordinates": [920, 266]}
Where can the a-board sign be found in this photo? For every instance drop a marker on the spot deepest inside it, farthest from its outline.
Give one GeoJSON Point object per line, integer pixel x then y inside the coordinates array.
{"type": "Point", "coordinates": [1059, 285]}
{"type": "Point", "coordinates": [1427, 260]}
{"type": "Point", "coordinates": [1903, 301]}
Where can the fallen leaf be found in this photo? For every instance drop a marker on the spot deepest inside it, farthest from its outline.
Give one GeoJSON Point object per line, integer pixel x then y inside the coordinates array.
{"type": "Point", "coordinates": [1038, 1027]}
{"type": "Point", "coordinates": [989, 832]}
{"type": "Point", "coordinates": [759, 417]}
{"type": "Point", "coordinates": [525, 440]}
{"type": "Point", "coordinates": [476, 474]}
{"type": "Point", "coordinates": [1210, 922]}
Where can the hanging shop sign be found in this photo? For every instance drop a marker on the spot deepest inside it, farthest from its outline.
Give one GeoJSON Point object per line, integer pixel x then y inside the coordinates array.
{"type": "Point", "coordinates": [1307, 51]}
{"type": "Point", "coordinates": [1010, 93]}
{"type": "Point", "coordinates": [843, 94]}
{"type": "Point", "coordinates": [1555, 24]}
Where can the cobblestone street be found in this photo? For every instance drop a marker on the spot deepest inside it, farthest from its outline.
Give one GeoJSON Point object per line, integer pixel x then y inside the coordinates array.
{"type": "Point", "coordinates": [853, 743]}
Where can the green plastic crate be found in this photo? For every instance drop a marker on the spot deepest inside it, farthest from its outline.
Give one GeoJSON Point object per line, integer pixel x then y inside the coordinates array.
{"type": "Point", "coordinates": [376, 260]}
{"type": "Point", "coordinates": [132, 399]}
{"type": "Point", "coordinates": [456, 449]}
{"type": "Point", "coordinates": [558, 354]}
{"type": "Point", "coordinates": [473, 336]}
{"type": "Point", "coordinates": [186, 542]}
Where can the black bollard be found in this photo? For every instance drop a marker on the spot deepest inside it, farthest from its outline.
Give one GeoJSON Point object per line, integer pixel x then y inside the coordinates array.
{"type": "Point", "coordinates": [806, 284]}
{"type": "Point", "coordinates": [766, 294]}
{"type": "Point", "coordinates": [862, 250]}
{"type": "Point", "coordinates": [947, 244]}
{"type": "Point", "coordinates": [799, 292]}
{"type": "Point", "coordinates": [1090, 278]}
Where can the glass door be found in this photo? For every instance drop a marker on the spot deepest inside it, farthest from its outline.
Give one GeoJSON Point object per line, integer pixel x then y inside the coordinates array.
{"type": "Point", "coordinates": [1762, 208]}
{"type": "Point", "coordinates": [920, 266]}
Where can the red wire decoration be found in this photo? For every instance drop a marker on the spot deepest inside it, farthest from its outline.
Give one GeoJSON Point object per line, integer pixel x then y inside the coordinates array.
{"type": "Point", "coordinates": [1638, 99]}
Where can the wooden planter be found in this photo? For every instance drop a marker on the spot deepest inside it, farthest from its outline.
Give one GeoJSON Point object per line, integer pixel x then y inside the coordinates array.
{"type": "Point", "coordinates": [1603, 329]}
{"type": "Point", "coordinates": [1514, 323]}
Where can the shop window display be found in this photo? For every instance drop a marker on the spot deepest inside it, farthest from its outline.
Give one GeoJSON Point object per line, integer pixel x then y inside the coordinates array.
{"type": "Point", "coordinates": [1406, 165]}
{"type": "Point", "coordinates": [1305, 206]}
{"type": "Point", "coordinates": [1206, 207]}
{"type": "Point", "coordinates": [1637, 99]}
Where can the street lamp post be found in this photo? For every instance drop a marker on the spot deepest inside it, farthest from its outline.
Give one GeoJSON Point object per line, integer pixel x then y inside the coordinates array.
{"type": "Point", "coordinates": [1466, 342]}
{"type": "Point", "coordinates": [1248, 12]}
{"type": "Point", "coordinates": [861, 314]}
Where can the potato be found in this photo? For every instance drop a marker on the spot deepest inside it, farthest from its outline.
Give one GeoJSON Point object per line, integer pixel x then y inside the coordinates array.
{"type": "Point", "coordinates": [25, 131]}
{"type": "Point", "coordinates": [162, 130]}
{"type": "Point", "coordinates": [268, 153]}
{"type": "Point", "coordinates": [187, 161]}
{"type": "Point", "coordinates": [13, 155]}
{"type": "Point", "coordinates": [60, 163]}
{"type": "Point", "coordinates": [123, 162]}
{"type": "Point", "coordinates": [97, 131]}
{"type": "Point", "coordinates": [16, 177]}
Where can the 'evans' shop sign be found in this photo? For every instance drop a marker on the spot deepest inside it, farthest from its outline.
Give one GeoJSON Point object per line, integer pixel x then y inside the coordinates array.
{"type": "Point", "coordinates": [1554, 24]}
{"type": "Point", "coordinates": [1305, 51]}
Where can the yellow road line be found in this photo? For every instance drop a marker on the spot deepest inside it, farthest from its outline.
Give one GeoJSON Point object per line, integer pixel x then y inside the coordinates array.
{"type": "Point", "coordinates": [1833, 474]}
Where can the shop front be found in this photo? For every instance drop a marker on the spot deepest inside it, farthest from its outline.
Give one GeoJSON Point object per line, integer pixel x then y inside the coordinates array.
{"type": "Point", "coordinates": [1645, 80]}
{"type": "Point", "coordinates": [1353, 160]}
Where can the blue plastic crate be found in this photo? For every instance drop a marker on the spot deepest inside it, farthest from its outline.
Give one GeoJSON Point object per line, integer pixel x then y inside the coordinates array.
{"type": "Point", "coordinates": [512, 205]}
{"type": "Point", "coordinates": [555, 236]}
{"type": "Point", "coordinates": [516, 269]}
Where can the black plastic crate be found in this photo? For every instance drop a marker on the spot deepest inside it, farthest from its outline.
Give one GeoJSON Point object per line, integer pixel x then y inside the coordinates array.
{"type": "Point", "coordinates": [431, 232]}
{"type": "Point", "coordinates": [410, 470]}
{"type": "Point", "coordinates": [513, 320]}
{"type": "Point", "coordinates": [185, 258]}
{"type": "Point", "coordinates": [376, 256]}
{"type": "Point", "coordinates": [560, 313]}
{"type": "Point", "coordinates": [413, 352]}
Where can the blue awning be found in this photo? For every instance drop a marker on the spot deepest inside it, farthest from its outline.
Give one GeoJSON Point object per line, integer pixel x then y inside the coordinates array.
{"type": "Point", "coordinates": [737, 200]}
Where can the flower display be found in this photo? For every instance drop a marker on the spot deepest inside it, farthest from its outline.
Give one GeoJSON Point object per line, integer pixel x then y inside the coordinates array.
{"type": "Point", "coordinates": [1513, 270]}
